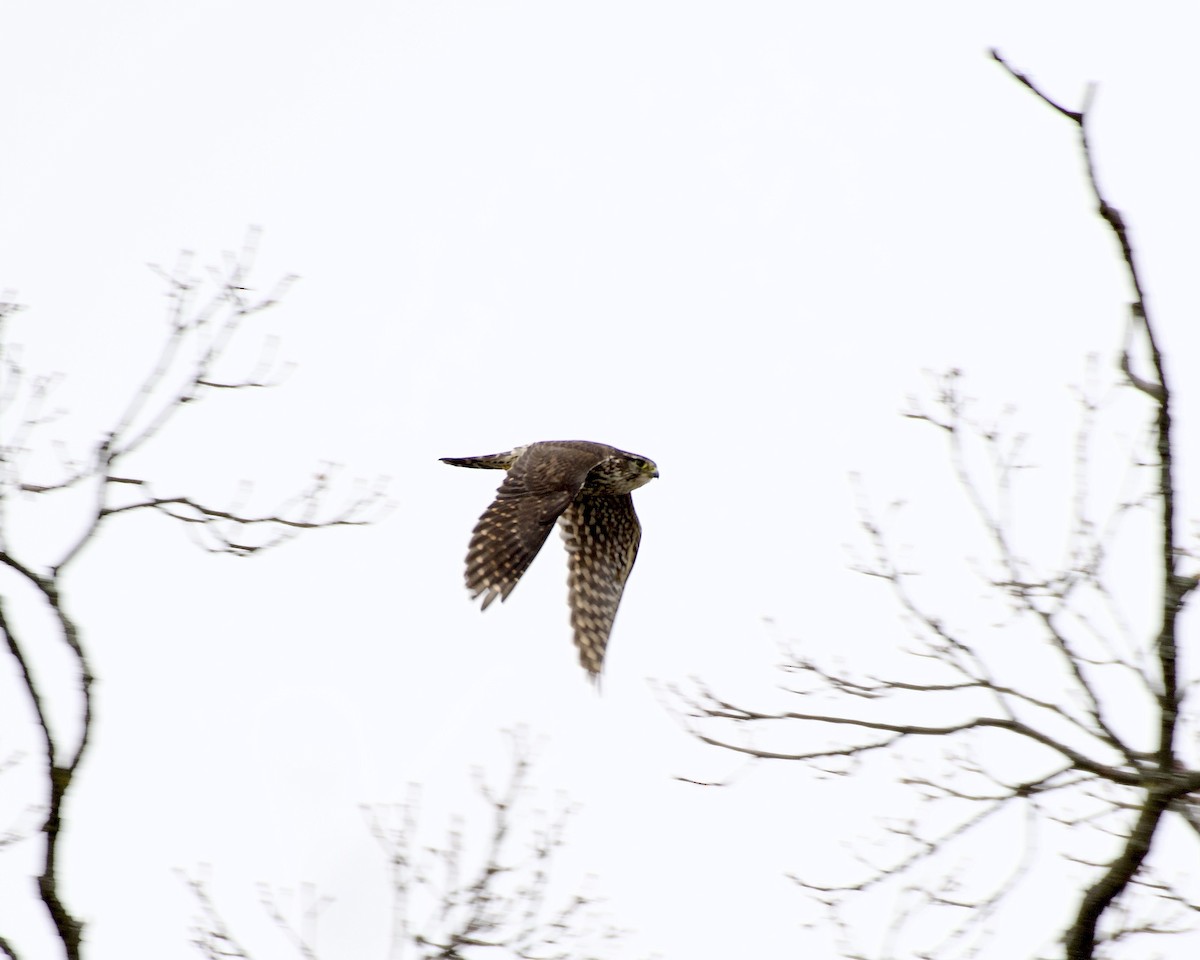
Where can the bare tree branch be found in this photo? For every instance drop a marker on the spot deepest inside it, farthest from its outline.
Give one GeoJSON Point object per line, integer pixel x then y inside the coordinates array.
{"type": "Point", "coordinates": [464, 898]}
{"type": "Point", "coordinates": [203, 329]}
{"type": "Point", "coordinates": [1082, 937]}
{"type": "Point", "coordinates": [210, 935]}
{"type": "Point", "coordinates": [1073, 684]}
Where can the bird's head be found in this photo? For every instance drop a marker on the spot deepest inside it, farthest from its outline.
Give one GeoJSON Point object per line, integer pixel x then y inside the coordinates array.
{"type": "Point", "coordinates": [638, 471]}
{"type": "Point", "coordinates": [621, 473]}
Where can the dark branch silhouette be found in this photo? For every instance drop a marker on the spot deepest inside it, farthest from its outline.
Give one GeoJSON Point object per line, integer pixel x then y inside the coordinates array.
{"type": "Point", "coordinates": [1047, 730]}
{"type": "Point", "coordinates": [204, 319]}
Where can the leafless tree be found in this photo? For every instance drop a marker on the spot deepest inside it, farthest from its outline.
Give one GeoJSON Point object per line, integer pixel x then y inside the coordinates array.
{"type": "Point", "coordinates": [483, 893]}
{"type": "Point", "coordinates": [205, 316]}
{"type": "Point", "coordinates": [1042, 756]}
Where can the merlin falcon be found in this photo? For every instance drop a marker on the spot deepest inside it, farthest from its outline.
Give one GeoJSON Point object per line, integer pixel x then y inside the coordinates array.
{"type": "Point", "coordinates": [585, 487]}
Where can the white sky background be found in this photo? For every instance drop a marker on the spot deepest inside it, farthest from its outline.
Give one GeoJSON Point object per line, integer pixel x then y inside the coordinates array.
{"type": "Point", "coordinates": [730, 237]}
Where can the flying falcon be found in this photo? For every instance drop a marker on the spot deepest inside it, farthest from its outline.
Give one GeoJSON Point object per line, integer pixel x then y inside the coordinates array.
{"type": "Point", "coordinates": [585, 487]}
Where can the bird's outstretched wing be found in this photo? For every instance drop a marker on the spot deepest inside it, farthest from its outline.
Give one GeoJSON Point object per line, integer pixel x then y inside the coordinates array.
{"type": "Point", "coordinates": [540, 485]}
{"type": "Point", "coordinates": [602, 534]}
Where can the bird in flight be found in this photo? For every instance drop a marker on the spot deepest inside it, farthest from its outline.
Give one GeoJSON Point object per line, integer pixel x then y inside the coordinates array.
{"type": "Point", "coordinates": [586, 488]}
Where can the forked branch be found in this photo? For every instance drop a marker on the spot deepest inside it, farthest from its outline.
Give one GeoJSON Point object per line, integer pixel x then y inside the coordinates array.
{"type": "Point", "coordinates": [186, 370]}
{"type": "Point", "coordinates": [1061, 683]}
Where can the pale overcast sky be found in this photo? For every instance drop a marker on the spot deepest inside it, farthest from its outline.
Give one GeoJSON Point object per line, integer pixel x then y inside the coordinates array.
{"type": "Point", "coordinates": [732, 237]}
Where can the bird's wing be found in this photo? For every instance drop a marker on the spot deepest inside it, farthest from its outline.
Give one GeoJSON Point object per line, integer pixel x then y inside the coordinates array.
{"type": "Point", "coordinates": [602, 534]}
{"type": "Point", "coordinates": [538, 488]}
